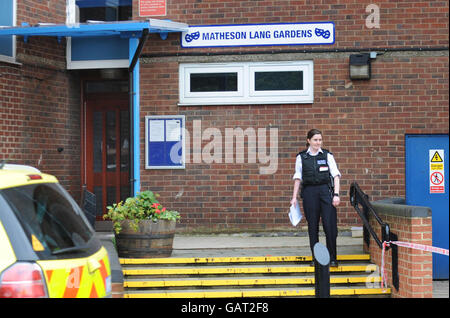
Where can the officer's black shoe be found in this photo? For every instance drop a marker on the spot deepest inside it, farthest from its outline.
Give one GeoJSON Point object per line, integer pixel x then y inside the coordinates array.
{"type": "Point", "coordinates": [334, 263]}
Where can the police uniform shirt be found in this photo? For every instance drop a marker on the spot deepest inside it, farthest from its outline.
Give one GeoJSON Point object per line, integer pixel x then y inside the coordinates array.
{"type": "Point", "coordinates": [331, 165]}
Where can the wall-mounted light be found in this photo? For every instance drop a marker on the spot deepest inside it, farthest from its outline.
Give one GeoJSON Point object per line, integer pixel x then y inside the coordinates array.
{"type": "Point", "coordinates": [359, 66]}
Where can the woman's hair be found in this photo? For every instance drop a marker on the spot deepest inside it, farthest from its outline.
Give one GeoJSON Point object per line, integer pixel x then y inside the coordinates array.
{"type": "Point", "coordinates": [311, 133]}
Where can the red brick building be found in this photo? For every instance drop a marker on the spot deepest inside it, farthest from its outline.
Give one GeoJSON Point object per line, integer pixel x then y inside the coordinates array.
{"type": "Point", "coordinates": [69, 114]}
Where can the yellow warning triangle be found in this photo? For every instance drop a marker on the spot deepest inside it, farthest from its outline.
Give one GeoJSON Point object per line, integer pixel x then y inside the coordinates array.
{"type": "Point", "coordinates": [37, 245]}
{"type": "Point", "coordinates": [436, 157]}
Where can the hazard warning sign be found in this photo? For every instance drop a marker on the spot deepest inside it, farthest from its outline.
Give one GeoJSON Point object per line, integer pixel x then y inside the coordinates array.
{"type": "Point", "coordinates": [437, 176]}
{"type": "Point", "coordinates": [437, 157]}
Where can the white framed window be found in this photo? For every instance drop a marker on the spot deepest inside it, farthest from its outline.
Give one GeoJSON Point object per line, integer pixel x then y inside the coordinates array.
{"type": "Point", "coordinates": [213, 81]}
{"type": "Point", "coordinates": [7, 19]}
{"type": "Point", "coordinates": [246, 83]}
{"type": "Point", "coordinates": [89, 52]}
{"type": "Point", "coordinates": [98, 10]}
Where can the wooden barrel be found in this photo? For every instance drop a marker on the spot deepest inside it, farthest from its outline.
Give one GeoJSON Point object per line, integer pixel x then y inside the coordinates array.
{"type": "Point", "coordinates": [153, 239]}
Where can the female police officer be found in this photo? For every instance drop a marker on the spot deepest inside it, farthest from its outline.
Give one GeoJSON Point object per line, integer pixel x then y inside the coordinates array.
{"type": "Point", "coordinates": [314, 167]}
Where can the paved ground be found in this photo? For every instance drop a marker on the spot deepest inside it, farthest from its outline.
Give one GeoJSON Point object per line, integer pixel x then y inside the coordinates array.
{"type": "Point", "coordinates": [250, 245]}
{"type": "Point", "coordinates": [440, 289]}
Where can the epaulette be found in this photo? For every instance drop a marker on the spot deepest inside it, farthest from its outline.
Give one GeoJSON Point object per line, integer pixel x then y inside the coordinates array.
{"type": "Point", "coordinates": [304, 151]}
{"type": "Point", "coordinates": [301, 152]}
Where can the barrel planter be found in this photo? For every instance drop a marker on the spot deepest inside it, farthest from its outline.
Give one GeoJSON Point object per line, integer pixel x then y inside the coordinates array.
{"type": "Point", "coordinates": [152, 239]}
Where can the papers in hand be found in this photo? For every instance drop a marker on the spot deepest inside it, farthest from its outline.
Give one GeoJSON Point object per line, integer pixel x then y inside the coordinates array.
{"type": "Point", "coordinates": [294, 214]}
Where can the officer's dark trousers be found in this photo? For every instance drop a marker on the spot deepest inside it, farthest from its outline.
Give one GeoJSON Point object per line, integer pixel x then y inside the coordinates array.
{"type": "Point", "coordinates": [317, 202]}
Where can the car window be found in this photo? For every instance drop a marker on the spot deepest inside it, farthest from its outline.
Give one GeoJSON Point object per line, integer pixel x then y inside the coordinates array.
{"type": "Point", "coordinates": [49, 214]}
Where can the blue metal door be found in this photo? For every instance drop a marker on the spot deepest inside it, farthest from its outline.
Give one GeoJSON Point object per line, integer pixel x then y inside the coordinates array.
{"type": "Point", "coordinates": [427, 181]}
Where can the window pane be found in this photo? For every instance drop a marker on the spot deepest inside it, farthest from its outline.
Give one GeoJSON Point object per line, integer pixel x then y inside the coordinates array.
{"type": "Point", "coordinates": [98, 191]}
{"type": "Point", "coordinates": [111, 141]}
{"type": "Point", "coordinates": [124, 140]}
{"type": "Point", "coordinates": [108, 86]}
{"type": "Point", "coordinates": [279, 81]}
{"type": "Point", "coordinates": [6, 19]}
{"type": "Point", "coordinates": [105, 10]}
{"type": "Point", "coordinates": [47, 212]}
{"type": "Point", "coordinates": [98, 140]}
{"type": "Point", "coordinates": [214, 82]}
{"type": "Point", "coordinates": [111, 196]}
{"type": "Point", "coordinates": [124, 192]}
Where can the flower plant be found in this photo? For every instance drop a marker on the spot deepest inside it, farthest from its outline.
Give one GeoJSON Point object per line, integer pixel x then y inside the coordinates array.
{"type": "Point", "coordinates": [144, 206]}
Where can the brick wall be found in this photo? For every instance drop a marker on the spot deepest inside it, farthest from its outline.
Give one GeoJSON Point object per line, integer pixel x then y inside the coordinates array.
{"type": "Point", "coordinates": [401, 24]}
{"type": "Point", "coordinates": [364, 122]}
{"type": "Point", "coordinates": [40, 101]}
{"type": "Point", "coordinates": [415, 267]}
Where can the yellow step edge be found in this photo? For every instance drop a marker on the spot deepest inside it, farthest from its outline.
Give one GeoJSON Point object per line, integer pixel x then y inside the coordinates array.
{"type": "Point", "coordinates": [201, 260]}
{"type": "Point", "coordinates": [241, 259]}
{"type": "Point", "coordinates": [260, 293]}
{"type": "Point", "coordinates": [245, 282]}
{"type": "Point", "coordinates": [242, 270]}
{"type": "Point", "coordinates": [359, 291]}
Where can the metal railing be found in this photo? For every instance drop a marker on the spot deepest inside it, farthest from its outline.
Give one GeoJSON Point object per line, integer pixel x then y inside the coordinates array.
{"type": "Point", "coordinates": [89, 205]}
{"type": "Point", "coordinates": [359, 200]}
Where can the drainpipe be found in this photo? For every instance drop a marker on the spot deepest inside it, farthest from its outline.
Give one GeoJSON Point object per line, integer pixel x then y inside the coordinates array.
{"type": "Point", "coordinates": [135, 49]}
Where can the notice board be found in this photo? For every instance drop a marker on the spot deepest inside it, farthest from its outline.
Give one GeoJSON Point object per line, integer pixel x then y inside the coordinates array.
{"type": "Point", "coordinates": [164, 142]}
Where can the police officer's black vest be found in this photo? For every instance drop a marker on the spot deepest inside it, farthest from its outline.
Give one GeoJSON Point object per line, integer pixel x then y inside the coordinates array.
{"type": "Point", "coordinates": [315, 169]}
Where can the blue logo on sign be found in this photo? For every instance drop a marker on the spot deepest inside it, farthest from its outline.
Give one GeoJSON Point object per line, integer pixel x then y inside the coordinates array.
{"type": "Point", "coordinates": [190, 37]}
{"type": "Point", "coordinates": [323, 33]}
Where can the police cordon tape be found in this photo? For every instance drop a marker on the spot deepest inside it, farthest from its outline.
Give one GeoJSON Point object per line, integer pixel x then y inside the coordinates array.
{"type": "Point", "coordinates": [421, 247]}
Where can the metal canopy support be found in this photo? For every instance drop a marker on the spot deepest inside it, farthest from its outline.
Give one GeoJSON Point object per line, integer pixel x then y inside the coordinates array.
{"type": "Point", "coordinates": [138, 51]}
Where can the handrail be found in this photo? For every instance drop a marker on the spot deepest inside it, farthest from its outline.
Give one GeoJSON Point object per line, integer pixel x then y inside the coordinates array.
{"type": "Point", "coordinates": [358, 197]}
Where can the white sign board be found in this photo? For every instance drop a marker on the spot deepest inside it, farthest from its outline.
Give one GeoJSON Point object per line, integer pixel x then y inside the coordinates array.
{"type": "Point", "coordinates": [312, 33]}
{"type": "Point", "coordinates": [437, 175]}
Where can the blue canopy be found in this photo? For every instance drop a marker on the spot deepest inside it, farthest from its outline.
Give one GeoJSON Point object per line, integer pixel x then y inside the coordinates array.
{"type": "Point", "coordinates": [124, 29]}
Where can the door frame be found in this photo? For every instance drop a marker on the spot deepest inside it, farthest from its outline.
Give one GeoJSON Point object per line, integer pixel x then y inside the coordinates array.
{"type": "Point", "coordinates": [83, 127]}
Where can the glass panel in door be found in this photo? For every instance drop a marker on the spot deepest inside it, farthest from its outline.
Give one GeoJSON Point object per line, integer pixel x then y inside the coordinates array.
{"type": "Point", "coordinates": [107, 150]}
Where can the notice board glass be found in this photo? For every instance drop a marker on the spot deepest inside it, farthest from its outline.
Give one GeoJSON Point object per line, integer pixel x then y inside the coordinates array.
{"type": "Point", "coordinates": [164, 142]}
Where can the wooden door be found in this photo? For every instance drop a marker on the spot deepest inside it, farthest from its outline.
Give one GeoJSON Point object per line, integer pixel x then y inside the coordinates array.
{"type": "Point", "coordinates": [108, 149]}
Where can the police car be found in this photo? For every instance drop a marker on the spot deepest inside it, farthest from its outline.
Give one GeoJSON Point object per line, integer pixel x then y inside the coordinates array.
{"type": "Point", "coordinates": [47, 247]}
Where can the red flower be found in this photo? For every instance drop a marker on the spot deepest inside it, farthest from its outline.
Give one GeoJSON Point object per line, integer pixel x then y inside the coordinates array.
{"type": "Point", "coordinates": [163, 209]}
{"type": "Point", "coordinates": [157, 211]}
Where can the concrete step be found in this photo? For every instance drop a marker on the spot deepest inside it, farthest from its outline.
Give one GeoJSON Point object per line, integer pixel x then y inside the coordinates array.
{"type": "Point", "coordinates": [246, 276]}
{"type": "Point", "coordinates": [243, 281]}
{"type": "Point", "coordinates": [239, 269]}
{"type": "Point", "coordinates": [239, 259]}
{"type": "Point", "coordinates": [259, 292]}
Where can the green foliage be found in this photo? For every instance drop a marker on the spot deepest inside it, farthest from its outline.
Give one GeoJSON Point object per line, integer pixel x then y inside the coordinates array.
{"type": "Point", "coordinates": [144, 206]}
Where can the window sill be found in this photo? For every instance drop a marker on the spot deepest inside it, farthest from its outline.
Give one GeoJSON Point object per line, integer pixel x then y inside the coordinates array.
{"type": "Point", "coordinates": [255, 103]}
{"type": "Point", "coordinates": [9, 60]}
